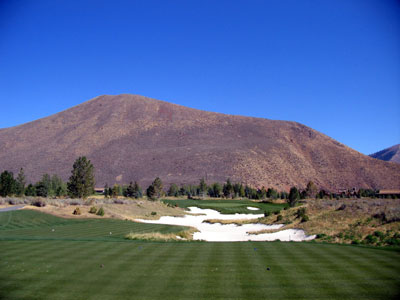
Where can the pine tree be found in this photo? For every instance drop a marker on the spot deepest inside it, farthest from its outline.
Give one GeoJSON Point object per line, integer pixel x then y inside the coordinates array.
{"type": "Point", "coordinates": [294, 196]}
{"type": "Point", "coordinates": [228, 189]}
{"type": "Point", "coordinates": [7, 184]}
{"type": "Point", "coordinates": [129, 192]}
{"type": "Point", "coordinates": [81, 183]}
{"type": "Point", "coordinates": [202, 188]}
{"type": "Point", "coordinates": [20, 183]}
{"type": "Point", "coordinates": [155, 190]}
{"type": "Point", "coordinates": [173, 190]}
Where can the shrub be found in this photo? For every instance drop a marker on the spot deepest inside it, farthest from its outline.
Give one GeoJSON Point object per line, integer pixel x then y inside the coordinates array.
{"type": "Point", "coordinates": [93, 210]}
{"type": "Point", "coordinates": [77, 211]}
{"type": "Point", "coordinates": [305, 218]}
{"type": "Point", "coordinates": [371, 239]}
{"type": "Point", "coordinates": [100, 212]}
{"type": "Point", "coordinates": [342, 207]}
{"type": "Point", "coordinates": [267, 213]}
{"type": "Point", "coordinates": [379, 235]}
{"type": "Point", "coordinates": [393, 241]}
{"type": "Point", "coordinates": [39, 203]}
{"type": "Point", "coordinates": [301, 212]}
{"type": "Point", "coordinates": [276, 212]}
{"type": "Point", "coordinates": [321, 235]}
{"type": "Point", "coordinates": [356, 242]}
{"type": "Point", "coordinates": [153, 213]}
{"type": "Point", "coordinates": [279, 218]}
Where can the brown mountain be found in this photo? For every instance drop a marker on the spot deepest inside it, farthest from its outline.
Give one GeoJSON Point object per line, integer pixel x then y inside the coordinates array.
{"type": "Point", "coordinates": [389, 154]}
{"type": "Point", "coordinates": [131, 137]}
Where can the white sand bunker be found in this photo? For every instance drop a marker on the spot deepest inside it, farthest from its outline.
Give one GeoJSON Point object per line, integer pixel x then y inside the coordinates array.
{"type": "Point", "coordinates": [252, 208]}
{"type": "Point", "coordinates": [230, 232]}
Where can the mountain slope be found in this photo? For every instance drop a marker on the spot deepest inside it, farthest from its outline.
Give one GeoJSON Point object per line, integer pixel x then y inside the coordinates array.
{"type": "Point", "coordinates": [131, 137]}
{"type": "Point", "coordinates": [389, 154]}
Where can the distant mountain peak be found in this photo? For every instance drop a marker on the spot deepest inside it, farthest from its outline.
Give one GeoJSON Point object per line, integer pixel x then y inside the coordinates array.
{"type": "Point", "coordinates": [389, 154]}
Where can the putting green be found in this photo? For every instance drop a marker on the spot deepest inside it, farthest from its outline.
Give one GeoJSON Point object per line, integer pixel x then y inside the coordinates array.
{"type": "Point", "coordinates": [228, 206]}
{"type": "Point", "coordinates": [81, 260]}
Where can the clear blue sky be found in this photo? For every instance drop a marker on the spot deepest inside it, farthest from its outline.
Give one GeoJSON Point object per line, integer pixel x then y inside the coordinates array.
{"type": "Point", "coordinates": [331, 65]}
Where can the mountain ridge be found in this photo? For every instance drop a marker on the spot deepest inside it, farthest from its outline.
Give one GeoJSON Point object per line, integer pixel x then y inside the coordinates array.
{"type": "Point", "coordinates": [131, 137]}
{"type": "Point", "coordinates": [388, 154]}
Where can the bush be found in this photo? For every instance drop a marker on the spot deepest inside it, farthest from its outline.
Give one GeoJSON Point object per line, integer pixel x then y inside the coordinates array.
{"type": "Point", "coordinates": [321, 235]}
{"type": "Point", "coordinates": [379, 235]}
{"type": "Point", "coordinates": [371, 239]}
{"type": "Point", "coordinates": [39, 203]}
{"type": "Point", "coordinates": [267, 213]}
{"type": "Point", "coordinates": [301, 212]}
{"type": "Point", "coordinates": [93, 210]}
{"type": "Point", "coordinates": [393, 241]}
{"type": "Point", "coordinates": [153, 213]}
{"type": "Point", "coordinates": [279, 218]}
{"type": "Point", "coordinates": [77, 211]}
{"type": "Point", "coordinates": [305, 218]}
{"type": "Point", "coordinates": [100, 212]}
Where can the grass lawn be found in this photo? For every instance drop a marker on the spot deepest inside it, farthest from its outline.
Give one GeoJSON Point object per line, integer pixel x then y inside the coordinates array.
{"type": "Point", "coordinates": [228, 206]}
{"type": "Point", "coordinates": [81, 260]}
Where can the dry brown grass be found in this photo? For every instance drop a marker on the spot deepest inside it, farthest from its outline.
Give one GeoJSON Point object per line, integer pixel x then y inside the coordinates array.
{"type": "Point", "coordinates": [133, 209]}
{"type": "Point", "coordinates": [354, 218]}
{"type": "Point", "coordinates": [157, 236]}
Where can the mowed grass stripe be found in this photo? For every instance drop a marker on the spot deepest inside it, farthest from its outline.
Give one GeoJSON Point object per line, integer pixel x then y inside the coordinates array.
{"type": "Point", "coordinates": [316, 269]}
{"type": "Point", "coordinates": [186, 270]}
{"type": "Point", "coordinates": [368, 273]}
{"type": "Point", "coordinates": [349, 274]}
{"type": "Point", "coordinates": [268, 256]}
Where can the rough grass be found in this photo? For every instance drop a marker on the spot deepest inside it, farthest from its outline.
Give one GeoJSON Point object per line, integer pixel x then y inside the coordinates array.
{"type": "Point", "coordinates": [342, 221]}
{"type": "Point", "coordinates": [81, 260]}
{"type": "Point", "coordinates": [166, 237]}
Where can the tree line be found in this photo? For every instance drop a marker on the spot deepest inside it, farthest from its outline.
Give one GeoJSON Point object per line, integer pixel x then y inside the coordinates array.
{"type": "Point", "coordinates": [81, 184]}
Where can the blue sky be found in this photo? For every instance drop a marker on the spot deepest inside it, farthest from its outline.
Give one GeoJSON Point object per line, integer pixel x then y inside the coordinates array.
{"type": "Point", "coordinates": [331, 65]}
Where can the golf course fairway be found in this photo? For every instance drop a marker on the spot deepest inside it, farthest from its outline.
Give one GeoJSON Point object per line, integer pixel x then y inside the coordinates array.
{"type": "Point", "coordinates": [45, 257]}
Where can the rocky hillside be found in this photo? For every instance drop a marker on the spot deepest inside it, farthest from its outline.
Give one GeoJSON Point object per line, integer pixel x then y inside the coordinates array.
{"type": "Point", "coordinates": [131, 137]}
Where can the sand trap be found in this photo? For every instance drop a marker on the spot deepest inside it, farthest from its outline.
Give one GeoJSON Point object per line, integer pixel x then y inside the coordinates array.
{"type": "Point", "coordinates": [230, 232]}
{"type": "Point", "coordinates": [252, 208]}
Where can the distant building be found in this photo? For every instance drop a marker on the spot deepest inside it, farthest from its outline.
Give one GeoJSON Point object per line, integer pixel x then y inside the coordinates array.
{"type": "Point", "coordinates": [388, 194]}
{"type": "Point", "coordinates": [99, 191]}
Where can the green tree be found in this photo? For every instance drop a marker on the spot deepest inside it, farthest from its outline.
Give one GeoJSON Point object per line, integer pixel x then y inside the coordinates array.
{"type": "Point", "coordinates": [133, 190]}
{"type": "Point", "coordinates": [151, 192]}
{"type": "Point", "coordinates": [294, 197]}
{"type": "Point", "coordinates": [20, 183]}
{"type": "Point", "coordinates": [30, 190]}
{"type": "Point", "coordinates": [202, 188]}
{"type": "Point", "coordinates": [81, 183]}
{"type": "Point", "coordinates": [7, 184]}
{"type": "Point", "coordinates": [228, 189]}
{"type": "Point", "coordinates": [106, 194]}
{"type": "Point", "coordinates": [311, 190]}
{"type": "Point", "coordinates": [173, 190]}
{"type": "Point", "coordinates": [216, 190]}
{"type": "Point", "coordinates": [272, 193]}
{"type": "Point", "coordinates": [58, 186]}
{"type": "Point", "coordinates": [155, 190]}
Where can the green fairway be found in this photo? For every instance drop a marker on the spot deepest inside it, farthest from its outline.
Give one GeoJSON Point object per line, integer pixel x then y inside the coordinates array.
{"type": "Point", "coordinates": [228, 206]}
{"type": "Point", "coordinates": [81, 260]}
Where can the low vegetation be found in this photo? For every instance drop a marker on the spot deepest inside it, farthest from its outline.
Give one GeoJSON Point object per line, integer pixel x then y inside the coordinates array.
{"type": "Point", "coordinates": [157, 236]}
